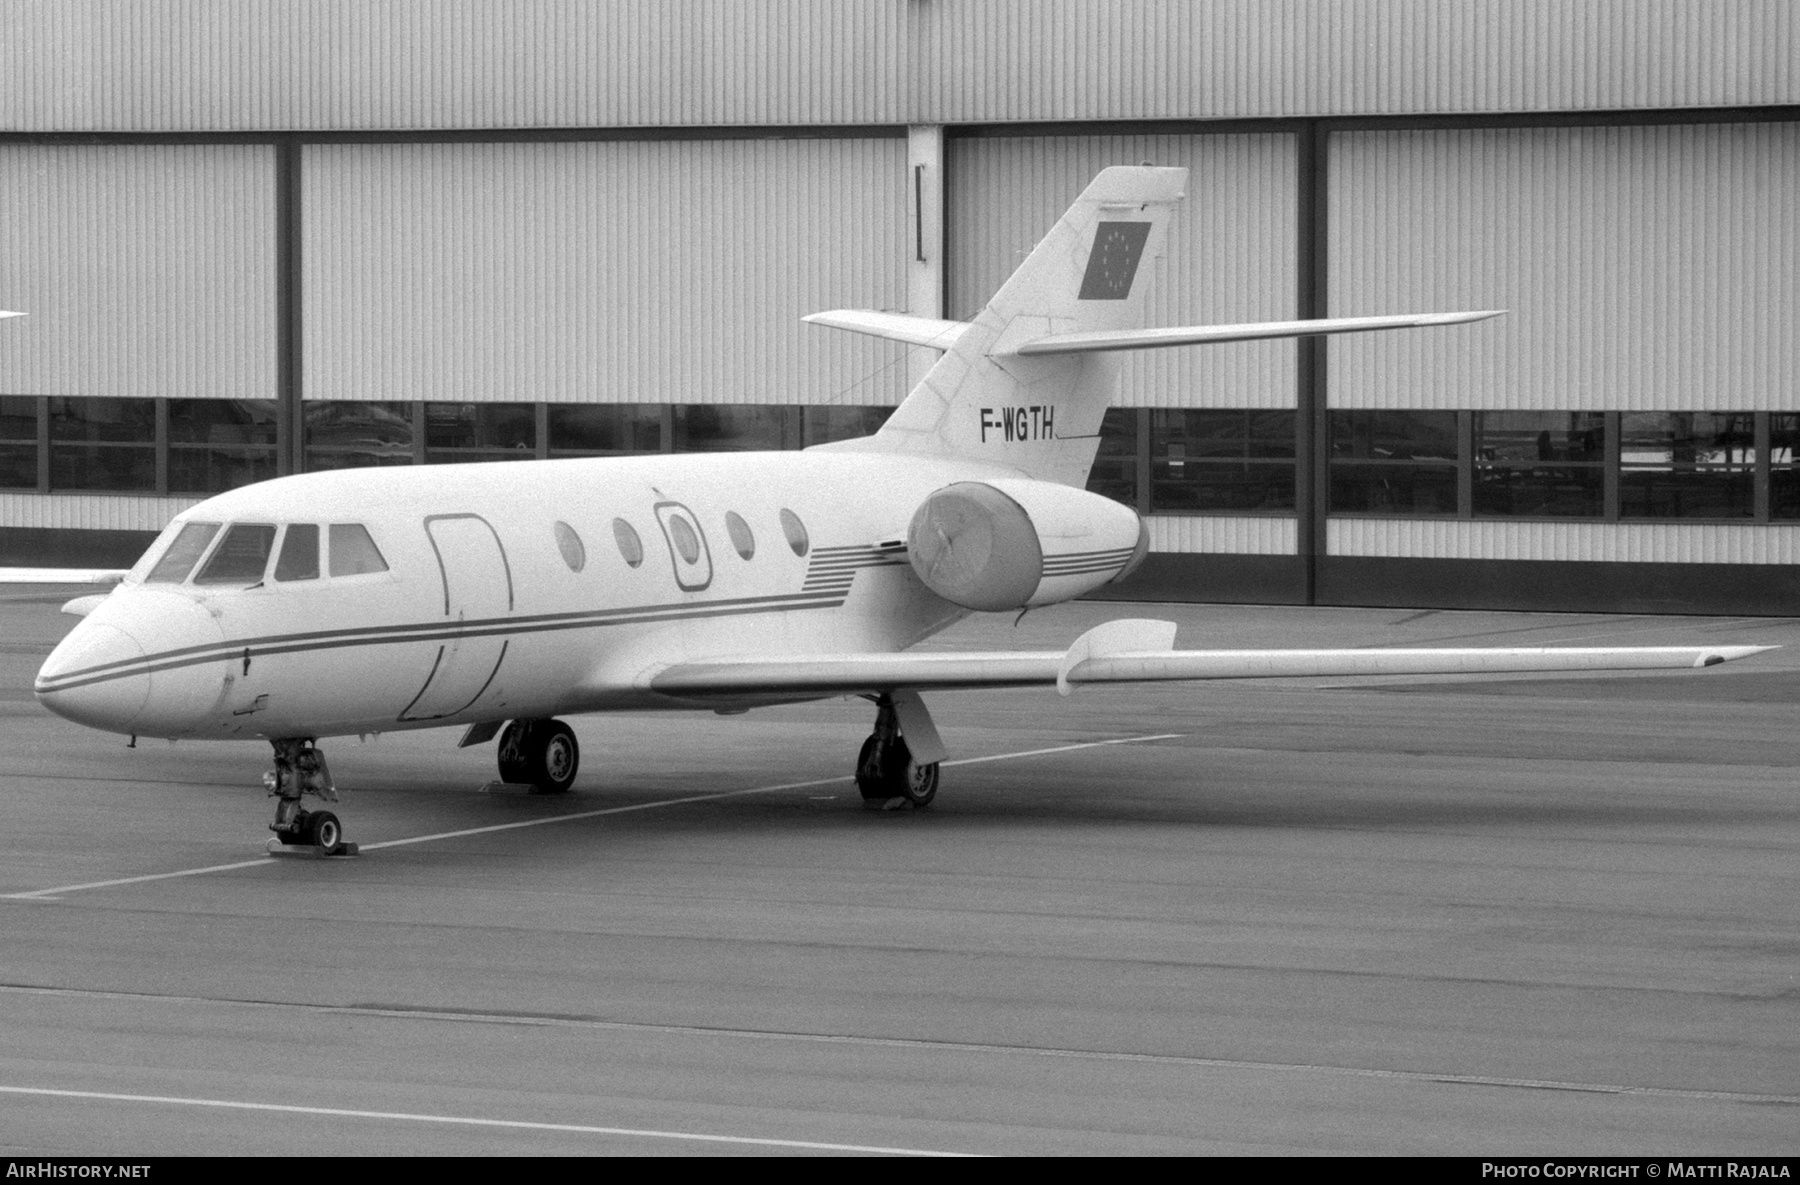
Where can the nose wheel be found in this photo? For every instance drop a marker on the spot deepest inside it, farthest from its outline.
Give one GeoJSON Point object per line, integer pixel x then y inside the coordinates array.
{"type": "Point", "coordinates": [887, 774]}
{"type": "Point", "coordinates": [539, 753]}
{"type": "Point", "coordinates": [300, 770]}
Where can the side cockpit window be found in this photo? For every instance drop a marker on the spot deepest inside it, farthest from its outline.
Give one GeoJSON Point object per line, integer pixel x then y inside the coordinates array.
{"type": "Point", "coordinates": [183, 554]}
{"type": "Point", "coordinates": [299, 553]}
{"type": "Point", "coordinates": [353, 553]}
{"type": "Point", "coordinates": [241, 557]}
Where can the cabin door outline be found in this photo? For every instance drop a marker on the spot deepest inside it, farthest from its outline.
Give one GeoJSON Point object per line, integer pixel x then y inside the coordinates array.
{"type": "Point", "coordinates": [478, 587]}
{"type": "Point", "coordinates": [690, 575]}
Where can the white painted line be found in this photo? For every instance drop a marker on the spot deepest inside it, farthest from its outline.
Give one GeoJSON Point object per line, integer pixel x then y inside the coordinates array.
{"type": "Point", "coordinates": [1161, 736]}
{"type": "Point", "coordinates": [472, 1121]}
{"type": "Point", "coordinates": [527, 1020]}
{"type": "Point", "coordinates": [50, 894]}
{"type": "Point", "coordinates": [53, 894]}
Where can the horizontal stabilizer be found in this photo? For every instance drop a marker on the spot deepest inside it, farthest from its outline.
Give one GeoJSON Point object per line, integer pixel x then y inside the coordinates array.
{"type": "Point", "coordinates": [5, 314]}
{"type": "Point", "coordinates": [1099, 657]}
{"type": "Point", "coordinates": [1201, 335]}
{"type": "Point", "coordinates": [900, 327]}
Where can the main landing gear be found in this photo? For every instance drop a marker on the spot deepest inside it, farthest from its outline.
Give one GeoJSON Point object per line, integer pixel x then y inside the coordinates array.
{"type": "Point", "coordinates": [300, 770]}
{"type": "Point", "coordinates": [539, 753]}
{"type": "Point", "coordinates": [888, 773]}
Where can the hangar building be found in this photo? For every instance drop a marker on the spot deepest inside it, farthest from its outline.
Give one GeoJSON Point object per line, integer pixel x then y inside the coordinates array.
{"type": "Point", "coordinates": [258, 237]}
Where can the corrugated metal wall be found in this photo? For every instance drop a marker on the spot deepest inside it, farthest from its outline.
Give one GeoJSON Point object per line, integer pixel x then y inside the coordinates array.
{"type": "Point", "coordinates": [145, 271]}
{"type": "Point", "coordinates": [632, 271]}
{"type": "Point", "coordinates": [90, 512]}
{"type": "Point", "coordinates": [1663, 543]}
{"type": "Point", "coordinates": [276, 65]}
{"type": "Point", "coordinates": [1647, 268]}
{"type": "Point", "coordinates": [1232, 254]}
{"type": "Point", "coordinates": [1224, 533]}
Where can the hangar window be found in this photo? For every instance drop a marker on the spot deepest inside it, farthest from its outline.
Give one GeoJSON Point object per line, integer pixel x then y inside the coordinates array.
{"type": "Point", "coordinates": [480, 432]}
{"type": "Point", "coordinates": [821, 425]}
{"type": "Point", "coordinates": [1540, 464]}
{"type": "Point", "coordinates": [241, 557]}
{"type": "Point", "coordinates": [353, 553]}
{"type": "Point", "coordinates": [739, 530]}
{"type": "Point", "coordinates": [630, 546]}
{"type": "Point", "coordinates": [1697, 464]}
{"type": "Point", "coordinates": [1221, 460]}
{"type": "Point", "coordinates": [1784, 466]}
{"type": "Point", "coordinates": [220, 444]}
{"type": "Point", "coordinates": [1116, 464]}
{"type": "Point", "coordinates": [183, 553]}
{"type": "Point", "coordinates": [795, 530]}
{"type": "Point", "coordinates": [299, 558]}
{"type": "Point", "coordinates": [18, 442]}
{"type": "Point", "coordinates": [341, 434]}
{"type": "Point", "coordinates": [731, 427]}
{"type": "Point", "coordinates": [605, 429]}
{"type": "Point", "coordinates": [103, 444]}
{"type": "Point", "coordinates": [569, 543]}
{"type": "Point", "coordinates": [1394, 462]}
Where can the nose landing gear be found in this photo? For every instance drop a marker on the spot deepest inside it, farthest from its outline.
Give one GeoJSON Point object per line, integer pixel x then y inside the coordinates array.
{"type": "Point", "coordinates": [889, 774]}
{"type": "Point", "coordinates": [300, 770]}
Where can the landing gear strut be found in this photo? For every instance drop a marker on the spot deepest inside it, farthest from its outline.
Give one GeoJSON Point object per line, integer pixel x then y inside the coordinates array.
{"type": "Point", "coordinates": [540, 753]}
{"type": "Point", "coordinates": [886, 773]}
{"type": "Point", "coordinates": [300, 770]}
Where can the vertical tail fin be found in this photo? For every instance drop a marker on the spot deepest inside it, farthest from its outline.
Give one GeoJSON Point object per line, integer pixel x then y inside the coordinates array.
{"type": "Point", "coordinates": [1041, 414]}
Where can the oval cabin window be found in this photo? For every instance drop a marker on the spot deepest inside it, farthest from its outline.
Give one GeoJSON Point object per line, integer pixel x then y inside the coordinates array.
{"type": "Point", "coordinates": [686, 542]}
{"type": "Point", "coordinates": [569, 543]}
{"type": "Point", "coordinates": [739, 530]}
{"type": "Point", "coordinates": [629, 545]}
{"type": "Point", "coordinates": [795, 530]}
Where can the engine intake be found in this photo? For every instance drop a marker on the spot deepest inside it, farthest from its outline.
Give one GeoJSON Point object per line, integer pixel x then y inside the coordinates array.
{"type": "Point", "coordinates": [1011, 544]}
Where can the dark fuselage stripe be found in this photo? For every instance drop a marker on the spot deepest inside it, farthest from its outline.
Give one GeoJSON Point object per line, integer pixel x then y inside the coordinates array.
{"type": "Point", "coordinates": [435, 632]}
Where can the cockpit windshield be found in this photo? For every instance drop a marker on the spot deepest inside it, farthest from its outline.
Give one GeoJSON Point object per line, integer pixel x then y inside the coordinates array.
{"type": "Point", "coordinates": [241, 557]}
{"type": "Point", "coordinates": [183, 554]}
{"type": "Point", "coordinates": [239, 553]}
{"type": "Point", "coordinates": [299, 553]}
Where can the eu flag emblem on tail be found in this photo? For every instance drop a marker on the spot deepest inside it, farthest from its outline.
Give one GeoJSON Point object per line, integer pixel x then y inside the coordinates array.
{"type": "Point", "coordinates": [1114, 261]}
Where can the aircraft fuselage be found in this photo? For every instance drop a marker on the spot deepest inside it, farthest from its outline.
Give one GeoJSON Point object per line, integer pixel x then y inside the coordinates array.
{"type": "Point", "coordinates": [509, 591]}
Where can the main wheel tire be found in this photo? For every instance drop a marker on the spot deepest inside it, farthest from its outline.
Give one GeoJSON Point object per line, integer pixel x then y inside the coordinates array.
{"type": "Point", "coordinates": [871, 779]}
{"type": "Point", "coordinates": [514, 767]}
{"type": "Point", "coordinates": [323, 830]}
{"type": "Point", "coordinates": [552, 756]}
{"type": "Point", "coordinates": [894, 774]}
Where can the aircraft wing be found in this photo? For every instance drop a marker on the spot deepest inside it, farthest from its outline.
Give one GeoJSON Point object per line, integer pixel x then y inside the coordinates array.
{"type": "Point", "coordinates": [61, 575]}
{"type": "Point", "coordinates": [1137, 651]}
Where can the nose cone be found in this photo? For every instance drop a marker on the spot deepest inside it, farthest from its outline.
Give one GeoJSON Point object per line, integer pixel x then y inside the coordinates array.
{"type": "Point", "coordinates": [95, 677]}
{"type": "Point", "coordinates": [147, 662]}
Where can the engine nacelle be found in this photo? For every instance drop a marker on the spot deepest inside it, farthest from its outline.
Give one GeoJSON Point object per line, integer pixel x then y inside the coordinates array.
{"type": "Point", "coordinates": [1012, 543]}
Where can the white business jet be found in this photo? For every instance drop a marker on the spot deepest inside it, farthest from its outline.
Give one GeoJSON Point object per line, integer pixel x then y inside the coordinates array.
{"type": "Point", "coordinates": [484, 596]}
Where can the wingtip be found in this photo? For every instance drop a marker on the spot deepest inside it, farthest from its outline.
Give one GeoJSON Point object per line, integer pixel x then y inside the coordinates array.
{"type": "Point", "coordinates": [1724, 654]}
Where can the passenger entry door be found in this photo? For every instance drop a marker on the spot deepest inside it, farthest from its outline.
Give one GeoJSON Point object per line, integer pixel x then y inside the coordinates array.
{"type": "Point", "coordinates": [478, 597]}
